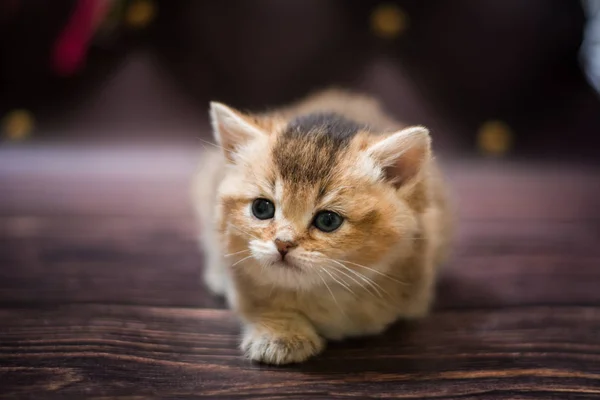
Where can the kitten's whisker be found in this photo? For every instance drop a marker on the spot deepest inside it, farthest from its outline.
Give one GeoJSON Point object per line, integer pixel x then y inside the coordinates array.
{"type": "Point", "coordinates": [365, 278]}
{"type": "Point", "coordinates": [351, 277]}
{"type": "Point", "coordinates": [332, 295]}
{"type": "Point", "coordinates": [372, 283]}
{"type": "Point", "coordinates": [239, 261]}
{"type": "Point", "coordinates": [243, 231]}
{"type": "Point", "coordinates": [375, 284]}
{"type": "Point", "coordinates": [361, 276]}
{"type": "Point", "coordinates": [237, 252]}
{"type": "Point", "coordinates": [375, 271]}
{"type": "Point", "coordinates": [344, 285]}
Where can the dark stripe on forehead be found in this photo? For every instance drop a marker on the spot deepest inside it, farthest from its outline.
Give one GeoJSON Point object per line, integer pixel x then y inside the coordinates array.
{"type": "Point", "coordinates": [332, 125]}
{"type": "Point", "coordinates": [308, 148]}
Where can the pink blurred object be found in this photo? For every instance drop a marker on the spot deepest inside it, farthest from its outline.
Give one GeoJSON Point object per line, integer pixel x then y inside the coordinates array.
{"type": "Point", "coordinates": [71, 47]}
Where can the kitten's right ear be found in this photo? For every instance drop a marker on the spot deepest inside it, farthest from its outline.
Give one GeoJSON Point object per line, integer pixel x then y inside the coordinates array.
{"type": "Point", "coordinates": [402, 154]}
{"type": "Point", "coordinates": [231, 128]}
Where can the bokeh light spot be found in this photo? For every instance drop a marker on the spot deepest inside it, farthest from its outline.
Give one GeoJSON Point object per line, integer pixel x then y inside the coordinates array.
{"type": "Point", "coordinates": [18, 125]}
{"type": "Point", "coordinates": [388, 21]}
{"type": "Point", "coordinates": [495, 138]}
{"type": "Point", "coordinates": [140, 13]}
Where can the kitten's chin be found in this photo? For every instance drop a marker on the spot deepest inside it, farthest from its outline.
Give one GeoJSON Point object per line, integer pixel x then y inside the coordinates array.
{"type": "Point", "coordinates": [287, 264]}
{"type": "Point", "coordinates": [285, 274]}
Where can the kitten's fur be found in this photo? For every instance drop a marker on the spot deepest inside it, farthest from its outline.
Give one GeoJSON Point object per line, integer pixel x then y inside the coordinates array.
{"type": "Point", "coordinates": [334, 151]}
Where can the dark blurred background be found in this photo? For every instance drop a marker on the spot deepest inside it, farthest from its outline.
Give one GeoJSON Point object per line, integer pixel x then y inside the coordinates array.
{"type": "Point", "coordinates": [505, 78]}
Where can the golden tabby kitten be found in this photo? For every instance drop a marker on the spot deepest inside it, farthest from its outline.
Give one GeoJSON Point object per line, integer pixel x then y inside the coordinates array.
{"type": "Point", "coordinates": [322, 220]}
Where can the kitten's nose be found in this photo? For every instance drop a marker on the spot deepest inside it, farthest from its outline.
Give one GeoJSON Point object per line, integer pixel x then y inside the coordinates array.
{"type": "Point", "coordinates": [283, 246]}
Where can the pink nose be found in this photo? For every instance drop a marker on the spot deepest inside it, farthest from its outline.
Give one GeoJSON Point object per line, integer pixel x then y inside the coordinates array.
{"type": "Point", "coordinates": [284, 246]}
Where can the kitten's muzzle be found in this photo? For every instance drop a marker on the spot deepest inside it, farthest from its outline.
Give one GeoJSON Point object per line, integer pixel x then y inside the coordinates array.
{"type": "Point", "coordinates": [284, 246]}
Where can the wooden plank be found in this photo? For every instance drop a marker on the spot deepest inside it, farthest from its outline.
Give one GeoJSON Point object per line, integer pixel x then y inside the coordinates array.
{"type": "Point", "coordinates": [130, 261]}
{"type": "Point", "coordinates": [541, 352]}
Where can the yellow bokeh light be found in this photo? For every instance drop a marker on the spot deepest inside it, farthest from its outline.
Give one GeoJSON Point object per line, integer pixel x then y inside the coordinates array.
{"type": "Point", "coordinates": [140, 13]}
{"type": "Point", "coordinates": [495, 138]}
{"type": "Point", "coordinates": [388, 21]}
{"type": "Point", "coordinates": [18, 125]}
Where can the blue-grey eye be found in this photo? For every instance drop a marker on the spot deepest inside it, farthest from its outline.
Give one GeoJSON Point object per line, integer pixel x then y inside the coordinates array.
{"type": "Point", "coordinates": [327, 221]}
{"type": "Point", "coordinates": [263, 209]}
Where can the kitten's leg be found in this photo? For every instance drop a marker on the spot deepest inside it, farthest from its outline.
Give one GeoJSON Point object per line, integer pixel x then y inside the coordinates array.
{"type": "Point", "coordinates": [204, 193]}
{"type": "Point", "coordinates": [215, 275]}
{"type": "Point", "coordinates": [281, 338]}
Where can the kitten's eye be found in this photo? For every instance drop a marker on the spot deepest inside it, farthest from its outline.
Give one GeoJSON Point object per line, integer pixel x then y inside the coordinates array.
{"type": "Point", "coordinates": [327, 221]}
{"type": "Point", "coordinates": [263, 209]}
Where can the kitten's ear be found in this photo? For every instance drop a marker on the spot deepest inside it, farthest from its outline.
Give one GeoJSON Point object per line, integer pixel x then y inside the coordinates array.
{"type": "Point", "coordinates": [402, 154]}
{"type": "Point", "coordinates": [231, 128]}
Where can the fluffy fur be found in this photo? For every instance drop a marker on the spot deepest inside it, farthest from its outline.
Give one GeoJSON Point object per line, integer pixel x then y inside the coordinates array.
{"type": "Point", "coordinates": [334, 151]}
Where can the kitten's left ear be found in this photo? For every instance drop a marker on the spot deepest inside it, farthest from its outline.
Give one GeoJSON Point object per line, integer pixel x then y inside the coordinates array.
{"type": "Point", "coordinates": [402, 154]}
{"type": "Point", "coordinates": [231, 128]}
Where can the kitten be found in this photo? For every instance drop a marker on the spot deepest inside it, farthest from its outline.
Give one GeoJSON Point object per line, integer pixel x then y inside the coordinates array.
{"type": "Point", "coordinates": [321, 220]}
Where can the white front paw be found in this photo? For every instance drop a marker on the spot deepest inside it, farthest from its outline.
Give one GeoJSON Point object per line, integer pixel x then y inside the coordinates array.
{"type": "Point", "coordinates": [278, 348]}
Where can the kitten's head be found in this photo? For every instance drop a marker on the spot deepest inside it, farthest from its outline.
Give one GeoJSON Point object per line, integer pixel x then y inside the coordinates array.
{"type": "Point", "coordinates": [317, 198]}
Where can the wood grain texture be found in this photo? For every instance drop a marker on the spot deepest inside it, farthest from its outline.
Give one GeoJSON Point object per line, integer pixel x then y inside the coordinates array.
{"type": "Point", "coordinates": [114, 350]}
{"type": "Point", "coordinates": [100, 292]}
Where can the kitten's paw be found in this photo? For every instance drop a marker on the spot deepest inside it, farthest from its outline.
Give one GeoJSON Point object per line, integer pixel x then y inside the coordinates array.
{"type": "Point", "coordinates": [216, 280]}
{"type": "Point", "coordinates": [271, 347]}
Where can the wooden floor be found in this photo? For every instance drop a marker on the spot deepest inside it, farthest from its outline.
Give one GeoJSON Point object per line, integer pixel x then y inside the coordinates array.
{"type": "Point", "coordinates": [100, 290]}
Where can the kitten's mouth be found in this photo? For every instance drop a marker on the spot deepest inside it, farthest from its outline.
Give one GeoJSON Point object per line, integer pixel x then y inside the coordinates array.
{"type": "Point", "coordinates": [286, 264]}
